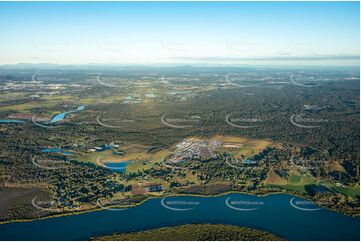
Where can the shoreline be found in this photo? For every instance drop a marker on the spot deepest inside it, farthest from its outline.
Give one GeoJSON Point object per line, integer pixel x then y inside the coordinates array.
{"type": "Point", "coordinates": [166, 195]}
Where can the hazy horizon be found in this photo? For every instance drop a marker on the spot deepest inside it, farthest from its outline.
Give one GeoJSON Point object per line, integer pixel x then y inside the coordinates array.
{"type": "Point", "coordinates": [167, 33]}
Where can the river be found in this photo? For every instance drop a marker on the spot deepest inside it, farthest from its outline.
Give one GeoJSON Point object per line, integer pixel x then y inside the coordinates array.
{"type": "Point", "coordinates": [284, 215]}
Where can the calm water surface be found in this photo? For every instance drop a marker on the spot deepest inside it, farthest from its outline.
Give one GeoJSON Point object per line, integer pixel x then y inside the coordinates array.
{"type": "Point", "coordinates": [61, 116]}
{"type": "Point", "coordinates": [273, 213]}
{"type": "Point", "coordinates": [117, 166]}
{"type": "Point", "coordinates": [11, 121]}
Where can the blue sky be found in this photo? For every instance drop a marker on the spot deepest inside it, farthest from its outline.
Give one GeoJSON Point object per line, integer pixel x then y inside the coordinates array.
{"type": "Point", "coordinates": [325, 33]}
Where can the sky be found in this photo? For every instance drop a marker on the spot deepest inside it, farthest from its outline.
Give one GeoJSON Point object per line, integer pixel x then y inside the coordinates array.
{"type": "Point", "coordinates": [218, 33]}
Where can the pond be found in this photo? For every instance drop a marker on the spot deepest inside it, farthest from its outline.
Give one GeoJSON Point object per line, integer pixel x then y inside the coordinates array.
{"type": "Point", "coordinates": [61, 116]}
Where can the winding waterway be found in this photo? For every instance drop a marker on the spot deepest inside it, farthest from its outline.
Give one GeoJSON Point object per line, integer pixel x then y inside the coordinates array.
{"type": "Point", "coordinates": [284, 215]}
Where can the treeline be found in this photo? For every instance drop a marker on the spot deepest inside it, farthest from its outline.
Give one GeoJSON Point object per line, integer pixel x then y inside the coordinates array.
{"type": "Point", "coordinates": [195, 232]}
